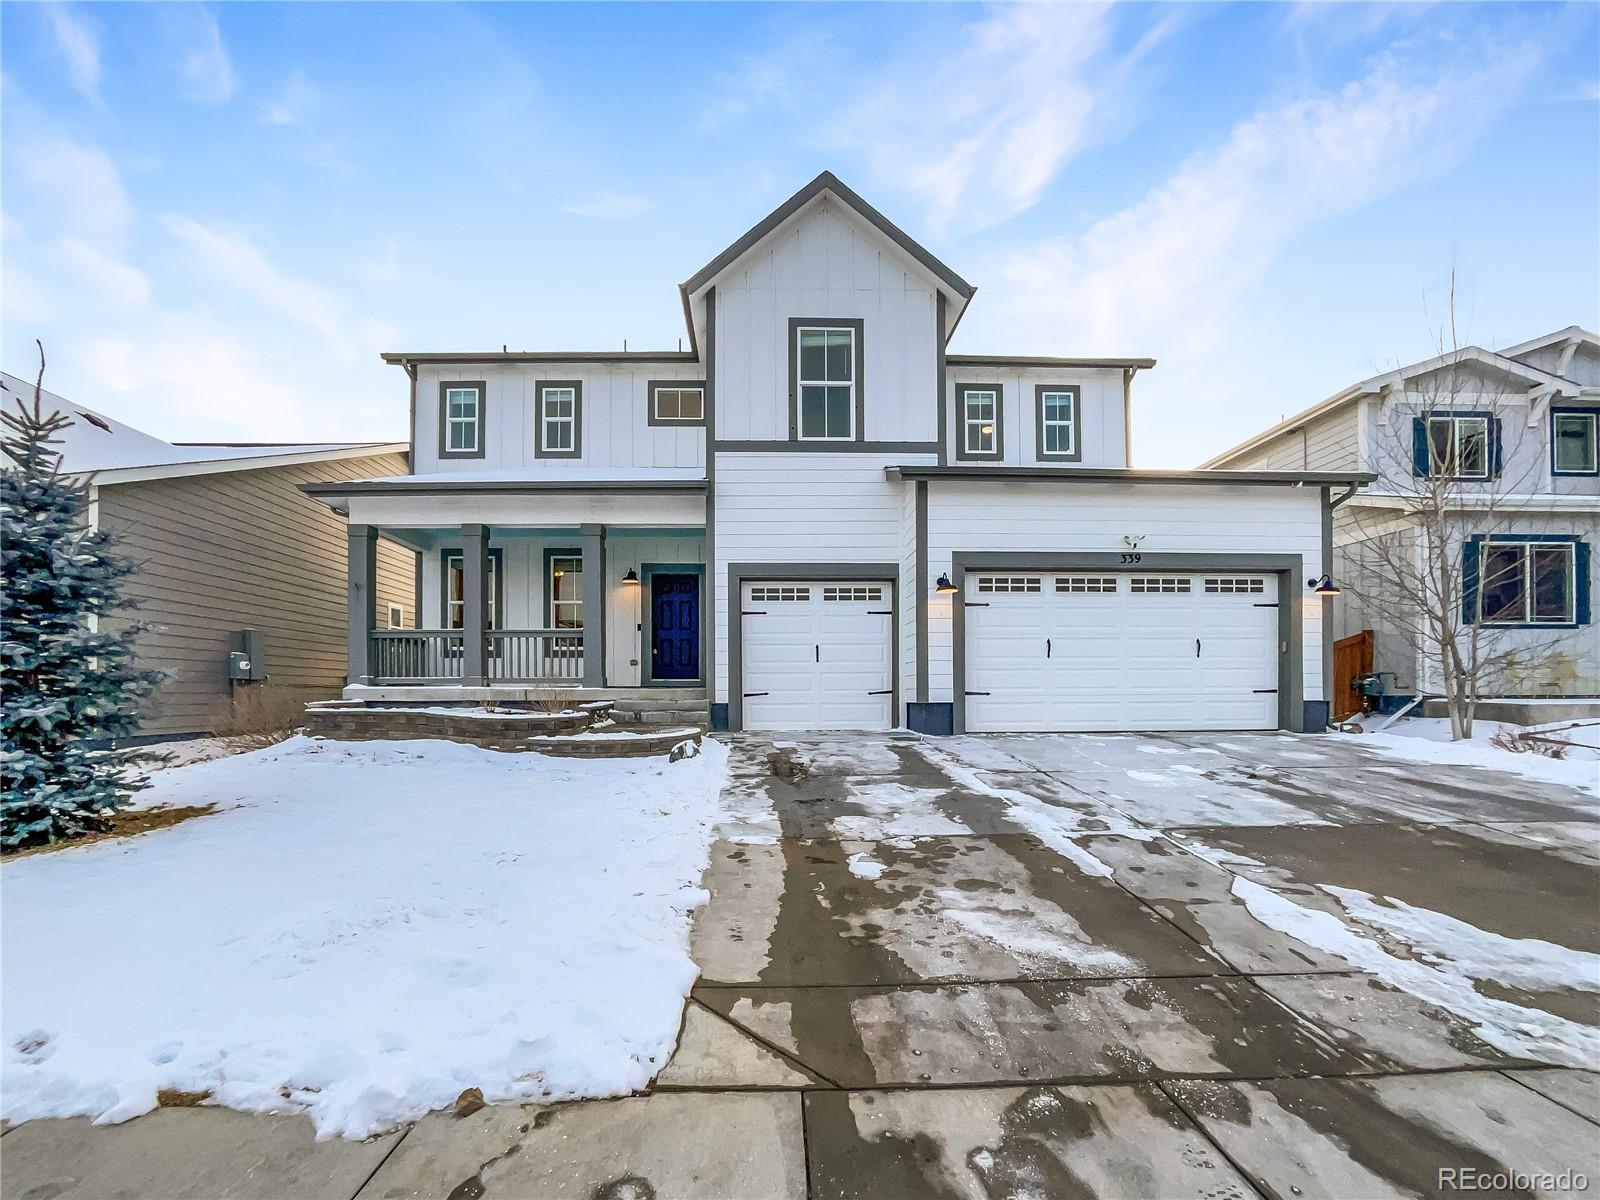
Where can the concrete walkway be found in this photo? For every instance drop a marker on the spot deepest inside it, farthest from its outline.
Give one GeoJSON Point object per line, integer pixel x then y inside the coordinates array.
{"type": "Point", "coordinates": [915, 985]}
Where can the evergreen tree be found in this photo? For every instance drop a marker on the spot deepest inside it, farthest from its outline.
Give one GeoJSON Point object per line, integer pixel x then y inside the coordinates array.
{"type": "Point", "coordinates": [68, 681]}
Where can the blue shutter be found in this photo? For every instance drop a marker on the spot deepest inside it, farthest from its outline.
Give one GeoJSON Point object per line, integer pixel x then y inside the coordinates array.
{"type": "Point", "coordinates": [1469, 579]}
{"type": "Point", "coordinates": [1494, 448]}
{"type": "Point", "coordinates": [1419, 446]}
{"type": "Point", "coordinates": [1580, 569]}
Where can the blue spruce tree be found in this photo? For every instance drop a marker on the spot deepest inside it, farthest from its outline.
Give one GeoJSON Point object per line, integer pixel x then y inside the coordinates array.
{"type": "Point", "coordinates": [70, 684]}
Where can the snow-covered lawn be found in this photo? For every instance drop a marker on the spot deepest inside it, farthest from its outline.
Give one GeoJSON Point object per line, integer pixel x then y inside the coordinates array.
{"type": "Point", "coordinates": [1427, 739]}
{"type": "Point", "coordinates": [362, 931]}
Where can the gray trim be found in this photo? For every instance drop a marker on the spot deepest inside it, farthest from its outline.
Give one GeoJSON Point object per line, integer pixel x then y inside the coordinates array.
{"type": "Point", "coordinates": [475, 605]}
{"type": "Point", "coordinates": [409, 359]}
{"type": "Point", "coordinates": [539, 388]}
{"type": "Point", "coordinates": [921, 584]}
{"type": "Point", "coordinates": [445, 385]}
{"type": "Point", "coordinates": [416, 589]}
{"type": "Point", "coordinates": [1126, 475]}
{"type": "Point", "coordinates": [1327, 601]}
{"type": "Point", "coordinates": [740, 573]}
{"type": "Point", "coordinates": [411, 376]}
{"type": "Point", "coordinates": [497, 557]}
{"type": "Point", "coordinates": [1021, 360]}
{"type": "Point", "coordinates": [836, 447]}
{"type": "Point", "coordinates": [1039, 390]}
{"type": "Point", "coordinates": [709, 650]}
{"type": "Point", "coordinates": [1127, 416]}
{"type": "Point", "coordinates": [858, 327]}
{"type": "Point", "coordinates": [827, 181]}
{"type": "Point", "coordinates": [1291, 683]}
{"type": "Point", "coordinates": [999, 452]}
{"type": "Point", "coordinates": [652, 386]}
{"type": "Point", "coordinates": [361, 577]}
{"type": "Point", "coordinates": [401, 486]}
{"type": "Point", "coordinates": [940, 361]}
{"type": "Point", "coordinates": [593, 540]}
{"type": "Point", "coordinates": [647, 574]}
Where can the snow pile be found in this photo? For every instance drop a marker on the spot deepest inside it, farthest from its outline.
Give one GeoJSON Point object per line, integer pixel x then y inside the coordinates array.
{"type": "Point", "coordinates": [1427, 740]}
{"type": "Point", "coordinates": [362, 931]}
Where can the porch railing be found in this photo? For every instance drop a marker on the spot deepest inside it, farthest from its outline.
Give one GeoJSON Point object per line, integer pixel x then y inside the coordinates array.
{"type": "Point", "coordinates": [436, 656]}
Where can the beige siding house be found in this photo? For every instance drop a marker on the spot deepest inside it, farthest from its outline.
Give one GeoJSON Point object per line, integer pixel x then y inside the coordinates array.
{"type": "Point", "coordinates": [227, 542]}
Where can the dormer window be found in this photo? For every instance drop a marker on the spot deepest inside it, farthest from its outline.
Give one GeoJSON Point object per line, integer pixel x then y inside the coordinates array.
{"type": "Point", "coordinates": [980, 408]}
{"type": "Point", "coordinates": [676, 402]}
{"type": "Point", "coordinates": [559, 406]}
{"type": "Point", "coordinates": [461, 419]}
{"type": "Point", "coordinates": [825, 379]}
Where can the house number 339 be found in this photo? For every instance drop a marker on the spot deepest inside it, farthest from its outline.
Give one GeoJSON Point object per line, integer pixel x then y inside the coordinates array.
{"type": "Point", "coordinates": [1132, 558]}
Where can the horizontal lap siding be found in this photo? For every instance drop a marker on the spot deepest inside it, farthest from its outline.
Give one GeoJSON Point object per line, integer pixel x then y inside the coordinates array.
{"type": "Point", "coordinates": [243, 550]}
{"type": "Point", "coordinates": [1086, 517]}
{"type": "Point", "coordinates": [1325, 444]}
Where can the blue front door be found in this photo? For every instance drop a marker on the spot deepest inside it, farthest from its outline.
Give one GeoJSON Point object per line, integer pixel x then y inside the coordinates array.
{"type": "Point", "coordinates": [674, 626]}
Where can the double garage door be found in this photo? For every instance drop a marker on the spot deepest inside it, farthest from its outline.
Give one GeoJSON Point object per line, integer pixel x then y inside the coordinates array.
{"type": "Point", "coordinates": [1121, 651]}
{"type": "Point", "coordinates": [817, 655]}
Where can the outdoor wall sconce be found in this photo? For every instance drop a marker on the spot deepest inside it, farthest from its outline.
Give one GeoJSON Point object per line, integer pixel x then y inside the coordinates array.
{"type": "Point", "coordinates": [631, 579]}
{"type": "Point", "coordinates": [943, 586]}
{"type": "Point", "coordinates": [1323, 586]}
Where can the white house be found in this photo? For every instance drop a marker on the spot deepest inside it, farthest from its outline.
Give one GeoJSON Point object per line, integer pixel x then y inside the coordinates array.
{"type": "Point", "coordinates": [1513, 435]}
{"type": "Point", "coordinates": [817, 518]}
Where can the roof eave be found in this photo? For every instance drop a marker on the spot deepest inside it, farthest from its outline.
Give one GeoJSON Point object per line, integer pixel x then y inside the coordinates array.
{"type": "Point", "coordinates": [988, 474]}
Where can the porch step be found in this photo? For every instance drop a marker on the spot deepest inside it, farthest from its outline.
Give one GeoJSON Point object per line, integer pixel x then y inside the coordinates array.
{"type": "Point", "coordinates": [654, 710]}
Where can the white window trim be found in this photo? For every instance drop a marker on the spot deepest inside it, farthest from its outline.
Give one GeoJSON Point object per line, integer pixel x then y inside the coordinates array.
{"type": "Point", "coordinates": [550, 582]}
{"type": "Point", "coordinates": [801, 383]}
{"type": "Point", "coordinates": [474, 422]}
{"type": "Point", "coordinates": [1592, 420]}
{"type": "Point", "coordinates": [1569, 613]}
{"type": "Point", "coordinates": [971, 425]}
{"type": "Point", "coordinates": [546, 421]}
{"type": "Point", "coordinates": [1453, 447]}
{"type": "Point", "coordinates": [1047, 424]}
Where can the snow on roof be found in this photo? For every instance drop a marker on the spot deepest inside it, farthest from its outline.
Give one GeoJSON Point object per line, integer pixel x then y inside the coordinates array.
{"type": "Point", "coordinates": [98, 443]}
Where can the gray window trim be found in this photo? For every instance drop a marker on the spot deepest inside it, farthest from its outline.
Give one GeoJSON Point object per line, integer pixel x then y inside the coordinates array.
{"type": "Point", "coordinates": [654, 385]}
{"type": "Point", "coordinates": [857, 326]}
{"type": "Point", "coordinates": [1287, 567]}
{"type": "Point", "coordinates": [999, 452]}
{"type": "Point", "coordinates": [740, 573]}
{"type": "Point", "coordinates": [482, 387]}
{"type": "Point", "coordinates": [548, 592]}
{"type": "Point", "coordinates": [647, 574]}
{"type": "Point", "coordinates": [497, 560]}
{"type": "Point", "coordinates": [1039, 392]}
{"type": "Point", "coordinates": [539, 390]}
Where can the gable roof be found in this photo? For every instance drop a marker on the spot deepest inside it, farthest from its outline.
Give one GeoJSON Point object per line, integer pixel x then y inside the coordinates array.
{"type": "Point", "coordinates": [1532, 376]}
{"type": "Point", "coordinates": [115, 452]}
{"type": "Point", "coordinates": [1571, 333]}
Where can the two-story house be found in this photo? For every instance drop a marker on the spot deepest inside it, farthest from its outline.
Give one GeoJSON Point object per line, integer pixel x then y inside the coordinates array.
{"type": "Point", "coordinates": [1492, 455]}
{"type": "Point", "coordinates": [817, 518]}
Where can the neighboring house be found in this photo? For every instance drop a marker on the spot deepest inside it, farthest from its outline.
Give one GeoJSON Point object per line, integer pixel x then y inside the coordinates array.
{"type": "Point", "coordinates": [226, 542]}
{"type": "Point", "coordinates": [817, 518]}
{"type": "Point", "coordinates": [1515, 432]}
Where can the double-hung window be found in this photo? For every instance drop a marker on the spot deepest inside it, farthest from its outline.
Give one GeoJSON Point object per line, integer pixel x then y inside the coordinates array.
{"type": "Point", "coordinates": [564, 586]}
{"type": "Point", "coordinates": [676, 402]}
{"type": "Point", "coordinates": [1459, 445]}
{"type": "Point", "coordinates": [979, 408]}
{"type": "Point", "coordinates": [461, 419]}
{"type": "Point", "coordinates": [1572, 441]}
{"type": "Point", "coordinates": [1527, 582]}
{"type": "Point", "coordinates": [826, 365]}
{"type": "Point", "coordinates": [1056, 411]}
{"type": "Point", "coordinates": [558, 407]}
{"type": "Point", "coordinates": [455, 590]}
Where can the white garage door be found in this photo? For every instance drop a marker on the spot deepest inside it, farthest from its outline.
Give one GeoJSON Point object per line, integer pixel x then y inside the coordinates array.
{"type": "Point", "coordinates": [1108, 651]}
{"type": "Point", "coordinates": [817, 655]}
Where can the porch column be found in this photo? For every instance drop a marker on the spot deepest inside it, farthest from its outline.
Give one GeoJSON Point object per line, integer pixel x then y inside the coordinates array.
{"type": "Point", "coordinates": [593, 540]}
{"type": "Point", "coordinates": [475, 606]}
{"type": "Point", "coordinates": [362, 599]}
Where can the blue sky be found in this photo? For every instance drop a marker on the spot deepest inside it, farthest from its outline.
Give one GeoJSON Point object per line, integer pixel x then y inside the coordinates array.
{"type": "Point", "coordinates": [216, 217]}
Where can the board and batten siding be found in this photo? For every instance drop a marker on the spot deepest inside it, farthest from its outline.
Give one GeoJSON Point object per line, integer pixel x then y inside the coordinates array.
{"type": "Point", "coordinates": [1102, 430]}
{"type": "Point", "coordinates": [616, 431]}
{"type": "Point", "coordinates": [1168, 519]}
{"type": "Point", "coordinates": [811, 508]}
{"type": "Point", "coordinates": [826, 262]}
{"type": "Point", "coordinates": [235, 550]}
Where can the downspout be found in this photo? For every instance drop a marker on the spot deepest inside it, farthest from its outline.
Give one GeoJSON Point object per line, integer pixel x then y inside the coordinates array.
{"type": "Point", "coordinates": [1127, 414]}
{"type": "Point", "coordinates": [1329, 503]}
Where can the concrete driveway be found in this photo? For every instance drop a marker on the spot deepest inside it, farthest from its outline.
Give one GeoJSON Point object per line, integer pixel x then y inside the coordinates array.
{"type": "Point", "coordinates": [1052, 966]}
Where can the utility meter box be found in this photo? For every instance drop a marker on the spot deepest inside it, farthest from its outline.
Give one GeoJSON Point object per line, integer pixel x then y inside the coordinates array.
{"type": "Point", "coordinates": [247, 661]}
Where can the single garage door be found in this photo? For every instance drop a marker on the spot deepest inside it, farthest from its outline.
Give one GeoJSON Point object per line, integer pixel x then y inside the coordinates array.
{"type": "Point", "coordinates": [817, 655]}
{"type": "Point", "coordinates": [1116, 651]}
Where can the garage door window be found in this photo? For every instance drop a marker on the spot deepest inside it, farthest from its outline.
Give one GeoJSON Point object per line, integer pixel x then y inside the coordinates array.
{"type": "Point", "coordinates": [1176, 584]}
{"type": "Point", "coordinates": [1008, 583]}
{"type": "Point", "coordinates": [1236, 587]}
{"type": "Point", "coordinates": [776, 595]}
{"type": "Point", "coordinates": [1087, 583]}
{"type": "Point", "coordinates": [852, 593]}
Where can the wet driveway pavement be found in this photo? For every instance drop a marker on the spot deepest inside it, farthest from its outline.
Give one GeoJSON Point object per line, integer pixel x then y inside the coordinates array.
{"type": "Point", "coordinates": [1032, 966]}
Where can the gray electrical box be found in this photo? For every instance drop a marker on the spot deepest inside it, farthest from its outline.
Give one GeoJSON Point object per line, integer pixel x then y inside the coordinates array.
{"type": "Point", "coordinates": [247, 662]}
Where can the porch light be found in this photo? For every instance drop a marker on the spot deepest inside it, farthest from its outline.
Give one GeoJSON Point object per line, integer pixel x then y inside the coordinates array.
{"type": "Point", "coordinates": [943, 586]}
{"type": "Point", "coordinates": [1323, 586]}
{"type": "Point", "coordinates": [631, 579]}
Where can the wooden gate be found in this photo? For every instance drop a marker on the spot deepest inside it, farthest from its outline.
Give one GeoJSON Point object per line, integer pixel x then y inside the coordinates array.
{"type": "Point", "coordinates": [1352, 658]}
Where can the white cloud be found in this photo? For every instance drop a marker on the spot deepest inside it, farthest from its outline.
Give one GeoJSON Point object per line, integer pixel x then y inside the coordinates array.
{"type": "Point", "coordinates": [610, 206]}
{"type": "Point", "coordinates": [107, 274]}
{"type": "Point", "coordinates": [79, 184]}
{"type": "Point", "coordinates": [299, 100]}
{"type": "Point", "coordinates": [203, 63]}
{"type": "Point", "coordinates": [79, 45]}
{"type": "Point", "coordinates": [237, 261]}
